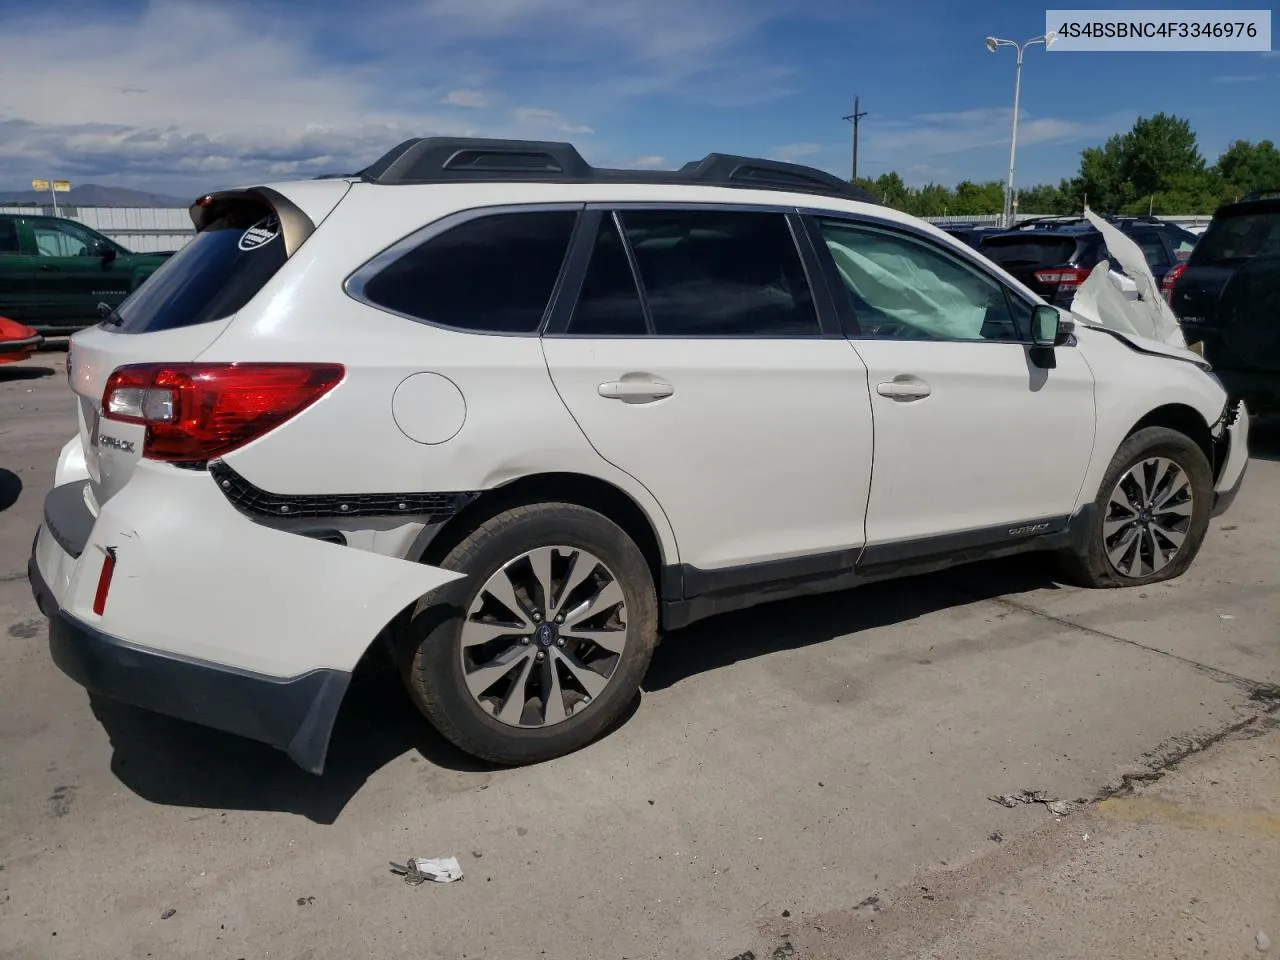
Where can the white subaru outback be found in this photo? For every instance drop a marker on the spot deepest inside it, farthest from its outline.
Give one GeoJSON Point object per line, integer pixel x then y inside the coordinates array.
{"type": "Point", "coordinates": [512, 415]}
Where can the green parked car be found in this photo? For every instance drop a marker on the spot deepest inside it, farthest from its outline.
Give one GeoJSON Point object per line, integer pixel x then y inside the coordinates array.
{"type": "Point", "coordinates": [54, 272]}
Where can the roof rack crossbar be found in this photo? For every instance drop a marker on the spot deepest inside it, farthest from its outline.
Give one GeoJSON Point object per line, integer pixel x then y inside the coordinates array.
{"type": "Point", "coordinates": [466, 159]}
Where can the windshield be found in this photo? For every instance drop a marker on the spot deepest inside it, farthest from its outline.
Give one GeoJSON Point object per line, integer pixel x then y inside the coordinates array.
{"type": "Point", "coordinates": [1237, 238]}
{"type": "Point", "coordinates": [211, 278]}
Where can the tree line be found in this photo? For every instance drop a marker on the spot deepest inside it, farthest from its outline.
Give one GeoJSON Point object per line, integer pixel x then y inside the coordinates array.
{"type": "Point", "coordinates": [1154, 168]}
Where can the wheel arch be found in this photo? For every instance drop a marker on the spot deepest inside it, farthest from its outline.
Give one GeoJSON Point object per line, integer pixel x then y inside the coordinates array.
{"type": "Point", "coordinates": [586, 491]}
{"type": "Point", "coordinates": [1185, 419]}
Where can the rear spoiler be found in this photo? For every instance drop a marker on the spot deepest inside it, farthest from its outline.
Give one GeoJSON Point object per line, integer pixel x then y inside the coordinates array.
{"type": "Point", "coordinates": [295, 226]}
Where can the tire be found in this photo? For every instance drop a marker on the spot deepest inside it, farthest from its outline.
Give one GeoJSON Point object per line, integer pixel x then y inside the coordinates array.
{"type": "Point", "coordinates": [515, 719]}
{"type": "Point", "coordinates": [1090, 564]}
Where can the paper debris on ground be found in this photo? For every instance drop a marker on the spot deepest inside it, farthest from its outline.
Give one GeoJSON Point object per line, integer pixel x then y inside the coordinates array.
{"type": "Point", "coordinates": [420, 869]}
{"type": "Point", "coordinates": [1059, 808]}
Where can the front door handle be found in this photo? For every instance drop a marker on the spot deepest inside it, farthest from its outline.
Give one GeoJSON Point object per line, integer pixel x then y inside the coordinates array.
{"type": "Point", "coordinates": [635, 391]}
{"type": "Point", "coordinates": [904, 388]}
{"type": "Point", "coordinates": [49, 266]}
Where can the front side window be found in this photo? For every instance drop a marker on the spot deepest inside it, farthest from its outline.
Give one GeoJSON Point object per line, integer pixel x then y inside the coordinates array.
{"type": "Point", "coordinates": [713, 273]}
{"type": "Point", "coordinates": [493, 274]}
{"type": "Point", "coordinates": [54, 239]}
{"type": "Point", "coordinates": [9, 237]}
{"type": "Point", "coordinates": [899, 287]}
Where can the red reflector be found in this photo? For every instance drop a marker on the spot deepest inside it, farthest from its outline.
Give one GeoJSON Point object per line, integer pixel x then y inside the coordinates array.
{"type": "Point", "coordinates": [104, 581]}
{"type": "Point", "coordinates": [1063, 276]}
{"type": "Point", "coordinates": [198, 411]}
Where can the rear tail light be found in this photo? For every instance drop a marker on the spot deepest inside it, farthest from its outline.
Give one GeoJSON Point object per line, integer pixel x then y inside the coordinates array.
{"type": "Point", "coordinates": [1063, 276]}
{"type": "Point", "coordinates": [1170, 278]}
{"type": "Point", "coordinates": [198, 411]}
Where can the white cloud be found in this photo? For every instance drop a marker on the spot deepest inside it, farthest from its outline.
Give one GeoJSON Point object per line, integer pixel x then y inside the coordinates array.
{"type": "Point", "coordinates": [645, 163]}
{"type": "Point", "coordinates": [210, 95]}
{"type": "Point", "coordinates": [474, 99]}
{"type": "Point", "coordinates": [1239, 78]}
{"type": "Point", "coordinates": [548, 119]}
{"type": "Point", "coordinates": [794, 152]}
{"type": "Point", "coordinates": [935, 135]}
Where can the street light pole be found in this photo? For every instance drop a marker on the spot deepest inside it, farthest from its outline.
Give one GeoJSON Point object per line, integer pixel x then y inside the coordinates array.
{"type": "Point", "coordinates": [993, 44]}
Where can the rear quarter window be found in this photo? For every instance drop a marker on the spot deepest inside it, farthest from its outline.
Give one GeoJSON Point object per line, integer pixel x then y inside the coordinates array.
{"type": "Point", "coordinates": [215, 275]}
{"type": "Point", "coordinates": [493, 274]}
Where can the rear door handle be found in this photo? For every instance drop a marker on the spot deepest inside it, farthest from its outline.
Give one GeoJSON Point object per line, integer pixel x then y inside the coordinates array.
{"type": "Point", "coordinates": [635, 391]}
{"type": "Point", "coordinates": [907, 388]}
{"type": "Point", "coordinates": [49, 266]}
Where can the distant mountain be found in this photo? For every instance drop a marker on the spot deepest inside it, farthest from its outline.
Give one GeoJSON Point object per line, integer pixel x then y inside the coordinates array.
{"type": "Point", "coordinates": [93, 195]}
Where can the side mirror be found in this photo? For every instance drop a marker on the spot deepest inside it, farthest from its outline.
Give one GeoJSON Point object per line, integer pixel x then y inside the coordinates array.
{"type": "Point", "coordinates": [108, 253]}
{"type": "Point", "coordinates": [1048, 329]}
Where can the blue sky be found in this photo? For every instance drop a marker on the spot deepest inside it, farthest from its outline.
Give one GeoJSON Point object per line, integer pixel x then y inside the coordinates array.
{"type": "Point", "coordinates": [179, 96]}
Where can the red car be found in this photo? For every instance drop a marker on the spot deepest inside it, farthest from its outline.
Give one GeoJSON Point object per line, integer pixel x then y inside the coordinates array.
{"type": "Point", "coordinates": [17, 342]}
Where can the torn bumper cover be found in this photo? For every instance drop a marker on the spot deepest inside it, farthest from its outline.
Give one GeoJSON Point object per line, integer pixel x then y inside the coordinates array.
{"type": "Point", "coordinates": [208, 616]}
{"type": "Point", "coordinates": [1232, 432]}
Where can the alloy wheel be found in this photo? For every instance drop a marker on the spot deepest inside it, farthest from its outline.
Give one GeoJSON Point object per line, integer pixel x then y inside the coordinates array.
{"type": "Point", "coordinates": [1148, 517]}
{"type": "Point", "coordinates": [543, 636]}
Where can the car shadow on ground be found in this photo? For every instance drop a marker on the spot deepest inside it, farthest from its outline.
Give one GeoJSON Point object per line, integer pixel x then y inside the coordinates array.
{"type": "Point", "coordinates": [172, 762]}
{"type": "Point", "coordinates": [18, 371]}
{"type": "Point", "coordinates": [10, 488]}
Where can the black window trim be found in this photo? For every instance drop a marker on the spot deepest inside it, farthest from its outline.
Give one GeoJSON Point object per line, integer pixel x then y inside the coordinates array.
{"type": "Point", "coordinates": [356, 282]}
{"type": "Point", "coordinates": [579, 258]}
{"type": "Point", "coordinates": [959, 251]}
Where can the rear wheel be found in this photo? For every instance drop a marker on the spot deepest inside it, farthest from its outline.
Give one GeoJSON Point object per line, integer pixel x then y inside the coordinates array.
{"type": "Point", "coordinates": [1152, 513]}
{"type": "Point", "coordinates": [543, 644]}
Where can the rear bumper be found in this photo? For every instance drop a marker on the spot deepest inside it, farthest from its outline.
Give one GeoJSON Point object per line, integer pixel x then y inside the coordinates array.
{"type": "Point", "coordinates": [294, 714]}
{"type": "Point", "coordinates": [209, 616]}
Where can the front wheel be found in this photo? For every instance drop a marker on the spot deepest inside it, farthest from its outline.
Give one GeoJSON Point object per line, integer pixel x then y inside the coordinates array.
{"type": "Point", "coordinates": [543, 644]}
{"type": "Point", "coordinates": [1152, 513]}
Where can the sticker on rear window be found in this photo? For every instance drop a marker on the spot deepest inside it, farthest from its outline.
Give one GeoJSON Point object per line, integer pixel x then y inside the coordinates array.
{"type": "Point", "coordinates": [261, 233]}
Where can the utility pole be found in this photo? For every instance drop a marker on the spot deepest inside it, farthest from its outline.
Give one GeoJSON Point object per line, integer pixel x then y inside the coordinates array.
{"type": "Point", "coordinates": [855, 117]}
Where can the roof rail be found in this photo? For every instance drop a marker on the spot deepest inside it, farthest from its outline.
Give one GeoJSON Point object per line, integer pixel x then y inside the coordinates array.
{"type": "Point", "coordinates": [471, 160]}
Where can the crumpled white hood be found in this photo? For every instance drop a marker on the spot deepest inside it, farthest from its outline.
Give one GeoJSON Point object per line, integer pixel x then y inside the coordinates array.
{"type": "Point", "coordinates": [1101, 302]}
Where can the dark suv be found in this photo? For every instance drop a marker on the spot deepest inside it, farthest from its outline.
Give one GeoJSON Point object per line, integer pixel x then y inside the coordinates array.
{"type": "Point", "coordinates": [1228, 299]}
{"type": "Point", "coordinates": [1054, 255]}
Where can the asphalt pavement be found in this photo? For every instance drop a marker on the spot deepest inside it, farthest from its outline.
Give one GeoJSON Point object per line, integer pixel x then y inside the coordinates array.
{"type": "Point", "coordinates": [808, 779]}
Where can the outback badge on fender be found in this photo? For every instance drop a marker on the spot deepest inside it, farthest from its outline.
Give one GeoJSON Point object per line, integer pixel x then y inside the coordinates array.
{"type": "Point", "coordinates": [1028, 529]}
{"type": "Point", "coordinates": [261, 233]}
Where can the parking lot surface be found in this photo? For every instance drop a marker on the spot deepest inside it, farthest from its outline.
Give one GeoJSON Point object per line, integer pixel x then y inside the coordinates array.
{"type": "Point", "coordinates": [813, 757]}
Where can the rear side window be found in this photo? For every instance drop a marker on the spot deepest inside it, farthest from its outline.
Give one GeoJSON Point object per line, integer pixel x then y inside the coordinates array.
{"type": "Point", "coordinates": [711, 273]}
{"type": "Point", "coordinates": [1152, 248]}
{"type": "Point", "coordinates": [216, 274]}
{"type": "Point", "coordinates": [493, 274]}
{"type": "Point", "coordinates": [1029, 252]}
{"type": "Point", "coordinates": [1234, 239]}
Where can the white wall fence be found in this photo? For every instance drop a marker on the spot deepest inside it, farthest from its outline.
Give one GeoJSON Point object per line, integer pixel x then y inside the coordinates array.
{"type": "Point", "coordinates": [168, 228]}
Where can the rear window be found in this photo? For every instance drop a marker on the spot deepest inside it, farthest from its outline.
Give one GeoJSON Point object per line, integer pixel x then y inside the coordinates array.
{"type": "Point", "coordinates": [1235, 239]}
{"type": "Point", "coordinates": [212, 277]}
{"type": "Point", "coordinates": [1029, 252]}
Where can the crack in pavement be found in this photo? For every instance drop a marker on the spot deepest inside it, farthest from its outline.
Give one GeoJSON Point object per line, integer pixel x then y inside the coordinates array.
{"type": "Point", "coordinates": [1258, 689]}
{"type": "Point", "coordinates": [12, 577]}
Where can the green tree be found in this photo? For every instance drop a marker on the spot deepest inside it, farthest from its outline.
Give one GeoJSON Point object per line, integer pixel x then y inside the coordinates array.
{"type": "Point", "coordinates": [891, 190]}
{"type": "Point", "coordinates": [1158, 157]}
{"type": "Point", "coordinates": [975, 199]}
{"type": "Point", "coordinates": [1042, 198]}
{"type": "Point", "coordinates": [1246, 166]}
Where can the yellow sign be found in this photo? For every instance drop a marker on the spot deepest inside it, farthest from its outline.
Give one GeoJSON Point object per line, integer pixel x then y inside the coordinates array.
{"type": "Point", "coordinates": [62, 186]}
{"type": "Point", "coordinates": [39, 184]}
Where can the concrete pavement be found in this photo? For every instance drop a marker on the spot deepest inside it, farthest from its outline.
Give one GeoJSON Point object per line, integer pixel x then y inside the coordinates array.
{"type": "Point", "coordinates": [804, 757]}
